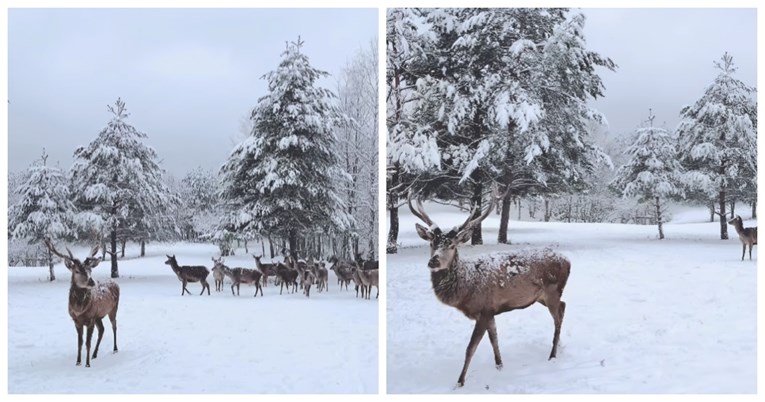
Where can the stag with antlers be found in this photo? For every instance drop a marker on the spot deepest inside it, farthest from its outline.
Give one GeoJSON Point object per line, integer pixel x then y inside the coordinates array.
{"type": "Point", "coordinates": [89, 301]}
{"type": "Point", "coordinates": [485, 286]}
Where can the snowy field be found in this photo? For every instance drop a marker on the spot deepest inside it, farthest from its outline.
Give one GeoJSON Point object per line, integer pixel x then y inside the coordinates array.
{"type": "Point", "coordinates": [642, 316]}
{"type": "Point", "coordinates": [191, 344]}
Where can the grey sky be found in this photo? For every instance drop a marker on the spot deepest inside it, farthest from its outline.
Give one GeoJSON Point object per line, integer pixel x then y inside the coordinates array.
{"type": "Point", "coordinates": [187, 76]}
{"type": "Point", "coordinates": [665, 58]}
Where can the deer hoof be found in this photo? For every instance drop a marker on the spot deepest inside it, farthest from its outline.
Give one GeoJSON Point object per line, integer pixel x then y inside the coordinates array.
{"type": "Point", "coordinates": [499, 366]}
{"type": "Point", "coordinates": [78, 364]}
{"type": "Point", "coordinates": [87, 364]}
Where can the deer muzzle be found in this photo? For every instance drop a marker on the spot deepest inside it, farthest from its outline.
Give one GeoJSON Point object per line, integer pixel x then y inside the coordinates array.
{"type": "Point", "coordinates": [434, 263]}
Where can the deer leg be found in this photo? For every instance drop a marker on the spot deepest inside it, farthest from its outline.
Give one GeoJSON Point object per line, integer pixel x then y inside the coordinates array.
{"type": "Point", "coordinates": [492, 329]}
{"type": "Point", "coordinates": [184, 288]}
{"type": "Point", "coordinates": [100, 328]}
{"type": "Point", "coordinates": [557, 310]}
{"type": "Point", "coordinates": [79, 343]}
{"type": "Point", "coordinates": [87, 344]}
{"type": "Point", "coordinates": [743, 252]}
{"type": "Point", "coordinates": [750, 251]}
{"type": "Point", "coordinates": [113, 319]}
{"type": "Point", "coordinates": [475, 339]}
{"type": "Point", "coordinates": [205, 285]}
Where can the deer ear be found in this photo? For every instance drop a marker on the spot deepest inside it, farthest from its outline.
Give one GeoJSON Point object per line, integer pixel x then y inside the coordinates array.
{"type": "Point", "coordinates": [423, 232]}
{"type": "Point", "coordinates": [69, 265]}
{"type": "Point", "coordinates": [464, 235]}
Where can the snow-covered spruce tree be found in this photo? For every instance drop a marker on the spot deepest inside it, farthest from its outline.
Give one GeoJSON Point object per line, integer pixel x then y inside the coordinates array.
{"type": "Point", "coordinates": [652, 172]}
{"type": "Point", "coordinates": [117, 183]}
{"type": "Point", "coordinates": [411, 147]}
{"type": "Point", "coordinates": [718, 140]}
{"type": "Point", "coordinates": [280, 180]}
{"type": "Point", "coordinates": [357, 96]}
{"type": "Point", "coordinates": [43, 209]}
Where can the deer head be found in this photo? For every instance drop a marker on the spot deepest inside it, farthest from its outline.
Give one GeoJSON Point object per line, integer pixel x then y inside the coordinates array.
{"type": "Point", "coordinates": [81, 270]}
{"type": "Point", "coordinates": [171, 260]}
{"type": "Point", "coordinates": [443, 245]}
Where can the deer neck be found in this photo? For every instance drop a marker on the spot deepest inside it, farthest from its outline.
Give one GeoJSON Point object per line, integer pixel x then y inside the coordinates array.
{"type": "Point", "coordinates": [446, 282]}
{"type": "Point", "coordinates": [79, 298]}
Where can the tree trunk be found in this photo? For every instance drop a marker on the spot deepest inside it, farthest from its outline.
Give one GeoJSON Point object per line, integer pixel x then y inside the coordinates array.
{"type": "Point", "coordinates": [392, 245]}
{"type": "Point", "coordinates": [476, 202]}
{"type": "Point", "coordinates": [115, 269]}
{"type": "Point", "coordinates": [754, 209]}
{"type": "Point", "coordinates": [658, 218]}
{"type": "Point", "coordinates": [293, 241]}
{"type": "Point", "coordinates": [547, 210]}
{"type": "Point", "coordinates": [504, 219]}
{"type": "Point", "coordinates": [271, 246]}
{"type": "Point", "coordinates": [52, 275]}
{"type": "Point", "coordinates": [246, 251]}
{"type": "Point", "coordinates": [143, 247]}
{"type": "Point", "coordinates": [519, 209]}
{"type": "Point", "coordinates": [732, 209]}
{"type": "Point", "coordinates": [723, 224]}
{"type": "Point", "coordinates": [122, 247]}
{"type": "Point", "coordinates": [712, 212]}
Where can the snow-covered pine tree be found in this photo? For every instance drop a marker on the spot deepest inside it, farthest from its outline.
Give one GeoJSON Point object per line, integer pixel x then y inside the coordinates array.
{"type": "Point", "coordinates": [652, 172]}
{"type": "Point", "coordinates": [411, 148]}
{"type": "Point", "coordinates": [117, 183]}
{"type": "Point", "coordinates": [718, 139]}
{"type": "Point", "coordinates": [280, 181]}
{"type": "Point", "coordinates": [43, 209]}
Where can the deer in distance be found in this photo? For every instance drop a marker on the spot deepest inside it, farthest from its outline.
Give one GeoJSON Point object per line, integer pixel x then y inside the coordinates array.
{"type": "Point", "coordinates": [218, 274]}
{"type": "Point", "coordinates": [268, 269]}
{"type": "Point", "coordinates": [748, 236]}
{"type": "Point", "coordinates": [343, 271]}
{"type": "Point", "coordinates": [189, 273]}
{"type": "Point", "coordinates": [484, 286]}
{"type": "Point", "coordinates": [287, 276]}
{"type": "Point", "coordinates": [89, 301]}
{"type": "Point", "coordinates": [239, 276]}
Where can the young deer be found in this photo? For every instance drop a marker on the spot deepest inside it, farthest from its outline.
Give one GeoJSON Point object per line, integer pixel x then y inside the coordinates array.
{"type": "Point", "coordinates": [89, 301]}
{"type": "Point", "coordinates": [241, 275]}
{"type": "Point", "coordinates": [748, 236]}
{"type": "Point", "coordinates": [268, 269]}
{"type": "Point", "coordinates": [218, 274]}
{"type": "Point", "coordinates": [189, 273]}
{"type": "Point", "coordinates": [485, 286]}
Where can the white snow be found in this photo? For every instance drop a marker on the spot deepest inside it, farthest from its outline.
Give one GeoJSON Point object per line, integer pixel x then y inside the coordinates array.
{"type": "Point", "coordinates": [170, 343]}
{"type": "Point", "coordinates": [643, 315]}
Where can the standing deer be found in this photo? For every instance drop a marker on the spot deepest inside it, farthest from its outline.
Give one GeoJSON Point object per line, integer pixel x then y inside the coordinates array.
{"type": "Point", "coordinates": [218, 274]}
{"type": "Point", "coordinates": [268, 269]}
{"type": "Point", "coordinates": [287, 276]}
{"type": "Point", "coordinates": [369, 278]}
{"type": "Point", "coordinates": [241, 275]}
{"type": "Point", "coordinates": [189, 273]}
{"type": "Point", "coordinates": [748, 236]}
{"type": "Point", "coordinates": [321, 276]}
{"type": "Point", "coordinates": [484, 286]}
{"type": "Point", "coordinates": [89, 301]}
{"type": "Point", "coordinates": [358, 283]}
{"type": "Point", "coordinates": [343, 271]}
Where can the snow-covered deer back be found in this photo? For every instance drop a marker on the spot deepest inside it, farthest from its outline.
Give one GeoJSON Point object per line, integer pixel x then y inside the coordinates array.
{"type": "Point", "coordinates": [484, 286]}
{"type": "Point", "coordinates": [89, 301]}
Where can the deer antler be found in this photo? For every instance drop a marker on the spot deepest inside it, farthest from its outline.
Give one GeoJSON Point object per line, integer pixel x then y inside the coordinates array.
{"type": "Point", "coordinates": [420, 210]}
{"type": "Point", "coordinates": [493, 201]}
{"type": "Point", "coordinates": [53, 250]}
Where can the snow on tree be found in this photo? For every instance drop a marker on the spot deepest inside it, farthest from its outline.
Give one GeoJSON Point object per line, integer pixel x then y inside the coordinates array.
{"type": "Point", "coordinates": [43, 209]}
{"type": "Point", "coordinates": [718, 140]}
{"type": "Point", "coordinates": [357, 96]}
{"type": "Point", "coordinates": [504, 93]}
{"type": "Point", "coordinates": [652, 171]}
{"type": "Point", "coordinates": [281, 180]}
{"type": "Point", "coordinates": [411, 147]}
{"type": "Point", "coordinates": [117, 183]}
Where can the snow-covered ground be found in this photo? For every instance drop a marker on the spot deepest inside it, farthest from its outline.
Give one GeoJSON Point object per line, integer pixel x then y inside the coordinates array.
{"type": "Point", "coordinates": [642, 316]}
{"type": "Point", "coordinates": [191, 344]}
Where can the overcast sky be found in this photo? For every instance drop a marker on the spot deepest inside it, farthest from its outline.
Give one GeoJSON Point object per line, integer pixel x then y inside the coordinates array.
{"type": "Point", "coordinates": [187, 76]}
{"type": "Point", "coordinates": [665, 58]}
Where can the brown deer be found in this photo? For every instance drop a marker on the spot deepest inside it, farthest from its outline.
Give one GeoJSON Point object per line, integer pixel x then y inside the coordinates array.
{"type": "Point", "coordinates": [287, 276]}
{"type": "Point", "coordinates": [321, 276]}
{"type": "Point", "coordinates": [748, 236]}
{"type": "Point", "coordinates": [268, 269]}
{"type": "Point", "coordinates": [189, 273]}
{"type": "Point", "coordinates": [369, 278]}
{"type": "Point", "coordinates": [89, 301]}
{"type": "Point", "coordinates": [484, 286]}
{"type": "Point", "coordinates": [218, 274]}
{"type": "Point", "coordinates": [358, 283]}
{"type": "Point", "coordinates": [343, 271]}
{"type": "Point", "coordinates": [241, 275]}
